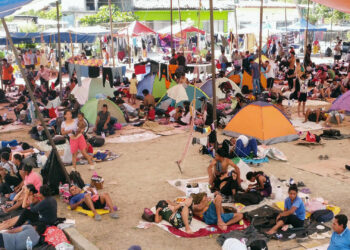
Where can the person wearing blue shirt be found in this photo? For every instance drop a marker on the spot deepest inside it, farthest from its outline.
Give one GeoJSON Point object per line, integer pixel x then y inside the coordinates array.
{"type": "Point", "coordinates": [294, 211]}
{"type": "Point", "coordinates": [341, 235]}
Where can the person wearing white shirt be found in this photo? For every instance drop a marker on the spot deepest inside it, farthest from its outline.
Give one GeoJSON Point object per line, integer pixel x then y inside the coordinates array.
{"type": "Point", "coordinates": [270, 74]}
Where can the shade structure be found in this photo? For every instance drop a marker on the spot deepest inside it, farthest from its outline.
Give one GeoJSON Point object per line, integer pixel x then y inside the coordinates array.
{"type": "Point", "coordinates": [262, 121]}
{"type": "Point", "coordinates": [7, 7]}
{"type": "Point", "coordinates": [342, 102]}
{"type": "Point", "coordinates": [302, 25]}
{"type": "Point", "coordinates": [208, 87]}
{"type": "Point", "coordinates": [93, 106]}
{"type": "Point", "coordinates": [341, 5]}
{"type": "Point", "coordinates": [177, 30]}
{"type": "Point", "coordinates": [179, 94]}
{"type": "Point", "coordinates": [135, 29]}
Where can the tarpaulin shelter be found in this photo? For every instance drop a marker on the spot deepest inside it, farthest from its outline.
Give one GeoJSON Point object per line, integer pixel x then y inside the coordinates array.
{"type": "Point", "coordinates": [208, 89]}
{"type": "Point", "coordinates": [177, 30]}
{"type": "Point", "coordinates": [135, 29]}
{"type": "Point", "coordinates": [342, 102]}
{"type": "Point", "coordinates": [93, 106]}
{"type": "Point", "coordinates": [181, 93]}
{"type": "Point", "coordinates": [262, 121]}
{"type": "Point", "coordinates": [341, 5]}
{"type": "Point", "coordinates": [302, 25]}
{"type": "Point", "coordinates": [7, 7]}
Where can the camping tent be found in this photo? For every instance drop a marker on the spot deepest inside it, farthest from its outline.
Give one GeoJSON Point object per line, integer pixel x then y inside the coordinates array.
{"type": "Point", "coordinates": [91, 87]}
{"type": "Point", "coordinates": [302, 24]}
{"type": "Point", "coordinates": [247, 80]}
{"type": "Point", "coordinates": [135, 29]}
{"type": "Point", "coordinates": [156, 87]}
{"type": "Point", "coordinates": [208, 89]}
{"type": "Point", "coordinates": [262, 121]}
{"type": "Point", "coordinates": [342, 102]}
{"type": "Point", "coordinates": [183, 92]}
{"type": "Point", "coordinates": [93, 106]}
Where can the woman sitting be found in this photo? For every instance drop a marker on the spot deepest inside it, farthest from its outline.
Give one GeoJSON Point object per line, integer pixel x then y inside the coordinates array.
{"type": "Point", "coordinates": [294, 211]}
{"type": "Point", "coordinates": [228, 184]}
{"type": "Point", "coordinates": [262, 185]}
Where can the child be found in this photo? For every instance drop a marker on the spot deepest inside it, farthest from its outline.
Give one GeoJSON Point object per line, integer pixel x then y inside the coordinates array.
{"type": "Point", "coordinates": [133, 89]}
{"type": "Point", "coordinates": [81, 124]}
{"type": "Point", "coordinates": [142, 112]}
{"type": "Point", "coordinates": [151, 113]}
{"type": "Point", "coordinates": [302, 93]}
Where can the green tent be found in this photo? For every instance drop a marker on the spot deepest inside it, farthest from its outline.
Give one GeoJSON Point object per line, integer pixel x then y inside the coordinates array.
{"type": "Point", "coordinates": [159, 87]}
{"type": "Point", "coordinates": [93, 106]}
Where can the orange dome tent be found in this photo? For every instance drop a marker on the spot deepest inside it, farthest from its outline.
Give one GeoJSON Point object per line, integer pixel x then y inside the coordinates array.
{"type": "Point", "coordinates": [262, 121]}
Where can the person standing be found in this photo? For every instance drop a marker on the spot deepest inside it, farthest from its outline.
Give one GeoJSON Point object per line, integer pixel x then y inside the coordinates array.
{"type": "Point", "coordinates": [133, 89]}
{"type": "Point", "coordinates": [255, 76]}
{"type": "Point", "coordinates": [280, 51]}
{"type": "Point", "coordinates": [273, 49]}
{"type": "Point", "coordinates": [7, 74]}
{"type": "Point", "coordinates": [52, 59]}
{"type": "Point", "coordinates": [337, 52]}
{"type": "Point", "coordinates": [270, 74]}
{"type": "Point", "coordinates": [44, 77]}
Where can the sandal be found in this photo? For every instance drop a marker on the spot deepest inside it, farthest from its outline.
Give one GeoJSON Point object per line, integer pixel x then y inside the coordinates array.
{"type": "Point", "coordinates": [325, 157]}
{"type": "Point", "coordinates": [320, 157]}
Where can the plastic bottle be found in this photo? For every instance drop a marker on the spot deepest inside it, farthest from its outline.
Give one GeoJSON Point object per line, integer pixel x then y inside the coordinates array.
{"type": "Point", "coordinates": [4, 117]}
{"type": "Point", "coordinates": [212, 229]}
{"type": "Point", "coordinates": [29, 244]}
{"type": "Point", "coordinates": [279, 193]}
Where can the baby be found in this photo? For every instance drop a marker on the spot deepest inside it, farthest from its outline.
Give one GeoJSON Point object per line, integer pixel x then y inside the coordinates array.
{"type": "Point", "coordinates": [81, 124]}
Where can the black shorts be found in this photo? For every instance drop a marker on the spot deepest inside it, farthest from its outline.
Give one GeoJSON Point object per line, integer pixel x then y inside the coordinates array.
{"type": "Point", "coordinates": [31, 66]}
{"type": "Point", "coordinates": [338, 57]}
{"type": "Point", "coordinates": [270, 82]}
{"type": "Point", "coordinates": [302, 97]}
{"type": "Point", "coordinates": [312, 117]}
{"type": "Point", "coordinates": [6, 82]}
{"type": "Point", "coordinates": [97, 205]}
{"type": "Point", "coordinates": [292, 220]}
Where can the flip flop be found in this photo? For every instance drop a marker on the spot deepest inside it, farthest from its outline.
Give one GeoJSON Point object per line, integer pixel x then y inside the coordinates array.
{"type": "Point", "coordinates": [325, 157]}
{"type": "Point", "coordinates": [320, 157]}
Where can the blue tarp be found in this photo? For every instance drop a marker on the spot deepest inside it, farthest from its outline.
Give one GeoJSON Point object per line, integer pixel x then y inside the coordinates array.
{"type": "Point", "coordinates": [7, 7]}
{"type": "Point", "coordinates": [301, 26]}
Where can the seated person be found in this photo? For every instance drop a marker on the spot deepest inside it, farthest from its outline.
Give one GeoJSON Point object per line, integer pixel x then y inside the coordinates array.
{"type": "Point", "coordinates": [91, 201]}
{"type": "Point", "coordinates": [217, 171]}
{"type": "Point", "coordinates": [16, 238]}
{"type": "Point", "coordinates": [294, 211]}
{"type": "Point", "coordinates": [7, 164]}
{"type": "Point", "coordinates": [175, 114]}
{"type": "Point", "coordinates": [335, 117]}
{"type": "Point", "coordinates": [178, 215]}
{"type": "Point", "coordinates": [45, 211]}
{"type": "Point", "coordinates": [32, 177]}
{"type": "Point", "coordinates": [242, 147]}
{"type": "Point", "coordinates": [315, 115]}
{"type": "Point", "coordinates": [151, 115]}
{"type": "Point", "coordinates": [104, 123]}
{"type": "Point", "coordinates": [141, 112]}
{"type": "Point", "coordinates": [186, 117]}
{"type": "Point", "coordinates": [341, 235]}
{"type": "Point", "coordinates": [262, 185]}
{"type": "Point", "coordinates": [212, 212]}
{"type": "Point", "coordinates": [9, 181]}
{"type": "Point", "coordinates": [227, 184]}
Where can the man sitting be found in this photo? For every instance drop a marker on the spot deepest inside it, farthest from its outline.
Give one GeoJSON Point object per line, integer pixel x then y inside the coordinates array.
{"type": "Point", "coordinates": [91, 201]}
{"type": "Point", "coordinates": [242, 147]}
{"type": "Point", "coordinates": [341, 235]}
{"type": "Point", "coordinates": [212, 212]}
{"type": "Point", "coordinates": [104, 123]}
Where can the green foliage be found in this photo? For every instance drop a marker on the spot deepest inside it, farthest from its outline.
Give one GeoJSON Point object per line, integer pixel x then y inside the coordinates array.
{"type": "Point", "coordinates": [102, 16]}
{"type": "Point", "coordinates": [27, 28]}
{"type": "Point", "coordinates": [44, 14]}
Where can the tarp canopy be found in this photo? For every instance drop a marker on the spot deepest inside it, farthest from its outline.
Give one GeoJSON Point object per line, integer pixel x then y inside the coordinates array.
{"type": "Point", "coordinates": [177, 30]}
{"type": "Point", "coordinates": [302, 24]}
{"type": "Point", "coordinates": [341, 5]}
{"type": "Point", "coordinates": [135, 29]}
{"type": "Point", "coordinates": [7, 7]}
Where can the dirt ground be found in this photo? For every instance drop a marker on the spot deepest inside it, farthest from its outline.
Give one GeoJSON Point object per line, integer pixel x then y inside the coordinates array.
{"type": "Point", "coordinates": [138, 179]}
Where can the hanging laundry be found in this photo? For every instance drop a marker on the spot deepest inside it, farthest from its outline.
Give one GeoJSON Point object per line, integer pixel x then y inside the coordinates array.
{"type": "Point", "coordinates": [84, 71]}
{"type": "Point", "coordinates": [140, 69]}
{"type": "Point", "coordinates": [154, 67]}
{"type": "Point", "coordinates": [107, 75]}
{"type": "Point", "coordinates": [163, 71]}
{"type": "Point", "coordinates": [172, 69]}
{"type": "Point", "coordinates": [94, 71]}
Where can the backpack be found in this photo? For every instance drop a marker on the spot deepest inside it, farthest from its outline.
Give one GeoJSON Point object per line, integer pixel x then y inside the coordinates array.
{"type": "Point", "coordinates": [97, 141]}
{"type": "Point", "coordinates": [148, 215]}
{"type": "Point", "coordinates": [331, 132]}
{"type": "Point", "coordinates": [75, 177]}
{"type": "Point", "coordinates": [323, 215]}
{"type": "Point", "coordinates": [58, 140]}
{"type": "Point", "coordinates": [258, 245]}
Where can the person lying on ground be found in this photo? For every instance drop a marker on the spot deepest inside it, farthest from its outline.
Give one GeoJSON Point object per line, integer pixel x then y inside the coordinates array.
{"type": "Point", "coordinates": [16, 238]}
{"type": "Point", "coordinates": [262, 185]}
{"type": "Point", "coordinates": [341, 235]}
{"type": "Point", "coordinates": [219, 167]}
{"type": "Point", "coordinates": [212, 212]}
{"type": "Point", "coordinates": [91, 201]}
{"type": "Point", "coordinates": [335, 117]}
{"type": "Point", "coordinates": [315, 115]}
{"type": "Point", "coordinates": [294, 211]}
{"type": "Point", "coordinates": [178, 215]}
{"type": "Point", "coordinates": [45, 211]}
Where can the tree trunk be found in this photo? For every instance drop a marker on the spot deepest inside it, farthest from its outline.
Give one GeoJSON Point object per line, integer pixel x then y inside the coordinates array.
{"type": "Point", "coordinates": [298, 9]}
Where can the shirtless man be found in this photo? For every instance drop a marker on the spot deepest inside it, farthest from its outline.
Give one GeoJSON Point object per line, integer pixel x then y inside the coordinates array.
{"type": "Point", "coordinates": [219, 166]}
{"type": "Point", "coordinates": [212, 212]}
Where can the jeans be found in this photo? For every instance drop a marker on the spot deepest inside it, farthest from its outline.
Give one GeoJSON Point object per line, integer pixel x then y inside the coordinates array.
{"type": "Point", "coordinates": [256, 86]}
{"type": "Point", "coordinates": [251, 148]}
{"type": "Point", "coordinates": [110, 127]}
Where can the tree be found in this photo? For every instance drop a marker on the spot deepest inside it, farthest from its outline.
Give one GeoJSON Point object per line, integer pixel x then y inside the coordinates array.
{"type": "Point", "coordinates": [44, 14]}
{"type": "Point", "coordinates": [102, 16]}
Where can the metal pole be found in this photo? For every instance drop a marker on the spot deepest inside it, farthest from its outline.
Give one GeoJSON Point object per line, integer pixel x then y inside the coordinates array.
{"type": "Point", "coordinates": [260, 34]}
{"type": "Point", "coordinates": [330, 40]}
{"type": "Point", "coordinates": [178, 2]}
{"type": "Point", "coordinates": [213, 66]}
{"type": "Point", "coordinates": [40, 117]}
{"type": "Point", "coordinates": [59, 50]}
{"type": "Point", "coordinates": [171, 26]}
{"type": "Point", "coordinates": [236, 27]}
{"type": "Point", "coordinates": [71, 43]}
{"type": "Point", "coordinates": [199, 22]}
{"type": "Point", "coordinates": [285, 20]}
{"type": "Point", "coordinates": [111, 27]}
{"type": "Point", "coordinates": [307, 26]}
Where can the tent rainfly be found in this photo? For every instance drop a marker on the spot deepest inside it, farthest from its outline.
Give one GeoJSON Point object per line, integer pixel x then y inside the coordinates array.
{"type": "Point", "coordinates": [135, 29]}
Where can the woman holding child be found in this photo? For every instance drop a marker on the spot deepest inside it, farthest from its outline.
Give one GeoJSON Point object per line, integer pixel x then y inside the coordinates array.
{"type": "Point", "coordinates": [74, 128]}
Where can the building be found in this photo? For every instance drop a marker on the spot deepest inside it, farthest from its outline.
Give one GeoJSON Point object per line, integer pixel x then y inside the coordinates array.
{"type": "Point", "coordinates": [73, 10]}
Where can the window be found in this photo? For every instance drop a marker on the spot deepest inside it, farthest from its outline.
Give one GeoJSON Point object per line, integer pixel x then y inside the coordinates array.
{"type": "Point", "coordinates": [90, 4]}
{"type": "Point", "coordinates": [105, 2]}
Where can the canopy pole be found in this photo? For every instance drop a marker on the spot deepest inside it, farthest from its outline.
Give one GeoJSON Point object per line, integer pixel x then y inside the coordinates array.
{"type": "Point", "coordinates": [178, 2]}
{"type": "Point", "coordinates": [171, 27]}
{"type": "Point", "coordinates": [199, 22]}
{"type": "Point", "coordinates": [331, 37]}
{"type": "Point", "coordinates": [59, 50]}
{"type": "Point", "coordinates": [129, 49]}
{"type": "Point", "coordinates": [285, 20]}
{"type": "Point", "coordinates": [40, 117]}
{"type": "Point", "coordinates": [71, 43]}
{"type": "Point", "coordinates": [213, 66]}
{"type": "Point", "coordinates": [236, 27]}
{"type": "Point", "coordinates": [307, 27]}
{"type": "Point", "coordinates": [111, 27]}
{"type": "Point", "coordinates": [260, 34]}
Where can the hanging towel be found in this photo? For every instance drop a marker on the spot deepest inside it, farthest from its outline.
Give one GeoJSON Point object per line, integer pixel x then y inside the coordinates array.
{"type": "Point", "coordinates": [140, 69]}
{"type": "Point", "coordinates": [163, 71]}
{"type": "Point", "coordinates": [94, 71]}
{"type": "Point", "coordinates": [84, 71]}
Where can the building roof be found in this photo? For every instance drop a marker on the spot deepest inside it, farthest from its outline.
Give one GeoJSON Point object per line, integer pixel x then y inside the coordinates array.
{"type": "Point", "coordinates": [218, 4]}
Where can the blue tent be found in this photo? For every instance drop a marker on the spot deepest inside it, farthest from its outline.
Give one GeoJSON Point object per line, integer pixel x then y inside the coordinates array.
{"type": "Point", "coordinates": [301, 26]}
{"type": "Point", "coordinates": [145, 83]}
{"type": "Point", "coordinates": [7, 7]}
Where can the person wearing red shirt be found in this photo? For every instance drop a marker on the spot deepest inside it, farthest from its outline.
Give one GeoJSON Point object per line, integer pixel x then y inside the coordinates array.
{"type": "Point", "coordinates": [151, 113]}
{"type": "Point", "coordinates": [7, 74]}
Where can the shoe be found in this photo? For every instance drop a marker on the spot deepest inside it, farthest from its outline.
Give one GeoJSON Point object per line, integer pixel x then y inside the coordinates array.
{"type": "Point", "coordinates": [317, 236]}
{"type": "Point", "coordinates": [114, 215]}
{"type": "Point", "coordinates": [320, 157]}
{"type": "Point", "coordinates": [325, 157]}
{"type": "Point", "coordinates": [347, 167]}
{"type": "Point", "coordinates": [98, 217]}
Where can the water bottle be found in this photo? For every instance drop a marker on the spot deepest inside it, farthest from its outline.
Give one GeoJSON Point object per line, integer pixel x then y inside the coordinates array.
{"type": "Point", "coordinates": [212, 229]}
{"type": "Point", "coordinates": [29, 244]}
{"type": "Point", "coordinates": [279, 193]}
{"type": "Point", "coordinates": [4, 117]}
